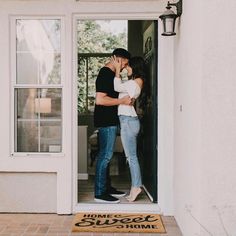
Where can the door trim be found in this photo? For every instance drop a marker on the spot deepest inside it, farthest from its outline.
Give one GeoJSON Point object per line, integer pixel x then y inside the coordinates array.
{"type": "Point", "coordinates": [165, 187]}
{"type": "Point", "coordinates": [120, 207]}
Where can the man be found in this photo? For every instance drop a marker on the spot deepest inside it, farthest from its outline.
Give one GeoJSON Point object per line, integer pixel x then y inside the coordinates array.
{"type": "Point", "coordinates": [106, 119]}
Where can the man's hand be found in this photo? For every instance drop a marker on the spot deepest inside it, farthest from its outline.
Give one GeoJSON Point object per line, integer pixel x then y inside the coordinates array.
{"type": "Point", "coordinates": [126, 100]}
{"type": "Point", "coordinates": [116, 62]}
{"type": "Point", "coordinates": [132, 101]}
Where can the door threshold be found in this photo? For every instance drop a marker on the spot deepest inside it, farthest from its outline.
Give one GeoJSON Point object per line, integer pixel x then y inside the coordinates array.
{"type": "Point", "coordinates": [121, 207]}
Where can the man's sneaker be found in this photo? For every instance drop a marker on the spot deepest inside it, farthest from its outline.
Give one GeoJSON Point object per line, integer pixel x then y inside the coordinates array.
{"type": "Point", "coordinates": [116, 193]}
{"type": "Point", "coordinates": [106, 198]}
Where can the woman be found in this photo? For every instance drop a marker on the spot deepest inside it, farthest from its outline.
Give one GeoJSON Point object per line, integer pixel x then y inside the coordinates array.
{"type": "Point", "coordinates": [129, 121]}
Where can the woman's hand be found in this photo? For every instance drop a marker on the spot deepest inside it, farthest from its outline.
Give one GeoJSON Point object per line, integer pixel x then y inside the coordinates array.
{"type": "Point", "coordinates": [116, 62]}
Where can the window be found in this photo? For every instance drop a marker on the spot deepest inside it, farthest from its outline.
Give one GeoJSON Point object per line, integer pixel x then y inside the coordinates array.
{"type": "Point", "coordinates": [89, 66]}
{"type": "Point", "coordinates": [38, 86]}
{"type": "Point", "coordinates": [96, 41]}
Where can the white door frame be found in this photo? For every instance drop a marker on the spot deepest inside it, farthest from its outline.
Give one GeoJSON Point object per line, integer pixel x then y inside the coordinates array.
{"type": "Point", "coordinates": [165, 190]}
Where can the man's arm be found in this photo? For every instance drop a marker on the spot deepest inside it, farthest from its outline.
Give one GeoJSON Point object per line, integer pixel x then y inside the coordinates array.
{"type": "Point", "coordinates": [104, 100]}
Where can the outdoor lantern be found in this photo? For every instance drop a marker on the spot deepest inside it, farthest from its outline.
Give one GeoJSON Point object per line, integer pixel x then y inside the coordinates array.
{"type": "Point", "coordinates": [169, 17]}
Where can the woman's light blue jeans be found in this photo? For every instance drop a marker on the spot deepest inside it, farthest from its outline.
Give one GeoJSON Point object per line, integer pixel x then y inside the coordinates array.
{"type": "Point", "coordinates": [130, 127]}
{"type": "Point", "coordinates": [107, 138]}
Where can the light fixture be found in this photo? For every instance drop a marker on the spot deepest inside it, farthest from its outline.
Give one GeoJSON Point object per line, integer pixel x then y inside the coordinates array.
{"type": "Point", "coordinates": [169, 17]}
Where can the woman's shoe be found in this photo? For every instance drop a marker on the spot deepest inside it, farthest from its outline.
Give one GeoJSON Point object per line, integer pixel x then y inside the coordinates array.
{"type": "Point", "coordinates": [135, 191]}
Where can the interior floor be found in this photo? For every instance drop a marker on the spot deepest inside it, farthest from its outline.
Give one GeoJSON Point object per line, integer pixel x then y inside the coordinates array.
{"type": "Point", "coordinates": [120, 178]}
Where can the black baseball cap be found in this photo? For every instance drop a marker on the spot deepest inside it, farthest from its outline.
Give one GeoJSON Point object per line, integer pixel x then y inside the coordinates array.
{"type": "Point", "coordinates": [121, 52]}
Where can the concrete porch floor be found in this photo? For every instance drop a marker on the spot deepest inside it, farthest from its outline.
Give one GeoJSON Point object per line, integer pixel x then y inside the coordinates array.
{"type": "Point", "coordinates": [60, 225]}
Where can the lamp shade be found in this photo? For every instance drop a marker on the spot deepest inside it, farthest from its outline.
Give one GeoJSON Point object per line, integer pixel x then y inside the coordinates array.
{"type": "Point", "coordinates": [42, 105]}
{"type": "Point", "coordinates": [168, 18]}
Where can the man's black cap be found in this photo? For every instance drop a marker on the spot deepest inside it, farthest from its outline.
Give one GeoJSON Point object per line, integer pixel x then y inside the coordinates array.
{"type": "Point", "coordinates": [121, 52]}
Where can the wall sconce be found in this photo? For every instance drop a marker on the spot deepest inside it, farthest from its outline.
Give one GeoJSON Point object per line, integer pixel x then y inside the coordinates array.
{"type": "Point", "coordinates": [168, 18]}
{"type": "Point", "coordinates": [42, 105]}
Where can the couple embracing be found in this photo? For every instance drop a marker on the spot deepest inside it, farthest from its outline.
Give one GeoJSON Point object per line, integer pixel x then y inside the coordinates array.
{"type": "Point", "coordinates": [114, 106]}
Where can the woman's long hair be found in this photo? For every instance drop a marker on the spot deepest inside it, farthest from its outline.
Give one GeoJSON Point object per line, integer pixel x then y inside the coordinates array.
{"type": "Point", "coordinates": [138, 67]}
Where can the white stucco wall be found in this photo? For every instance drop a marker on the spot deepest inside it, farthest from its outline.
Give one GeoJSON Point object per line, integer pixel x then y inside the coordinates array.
{"type": "Point", "coordinates": [205, 130]}
{"type": "Point", "coordinates": [60, 165]}
{"type": "Point", "coordinates": [28, 192]}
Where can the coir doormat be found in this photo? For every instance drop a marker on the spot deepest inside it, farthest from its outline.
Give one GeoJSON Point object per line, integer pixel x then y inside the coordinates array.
{"type": "Point", "coordinates": [118, 223]}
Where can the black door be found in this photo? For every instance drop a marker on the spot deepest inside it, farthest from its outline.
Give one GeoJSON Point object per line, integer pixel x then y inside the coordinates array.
{"type": "Point", "coordinates": [148, 104]}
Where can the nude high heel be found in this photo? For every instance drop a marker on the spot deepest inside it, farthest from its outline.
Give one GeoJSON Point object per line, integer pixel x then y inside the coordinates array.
{"type": "Point", "coordinates": [135, 191]}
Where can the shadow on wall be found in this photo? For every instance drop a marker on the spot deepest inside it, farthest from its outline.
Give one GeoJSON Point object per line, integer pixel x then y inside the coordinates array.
{"type": "Point", "coordinates": [224, 215]}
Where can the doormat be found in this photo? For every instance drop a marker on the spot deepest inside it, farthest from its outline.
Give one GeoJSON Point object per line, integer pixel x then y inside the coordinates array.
{"type": "Point", "coordinates": [118, 223]}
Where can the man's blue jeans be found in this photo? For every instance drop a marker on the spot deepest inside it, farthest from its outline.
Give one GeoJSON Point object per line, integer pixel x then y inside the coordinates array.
{"type": "Point", "coordinates": [107, 138]}
{"type": "Point", "coordinates": [130, 127]}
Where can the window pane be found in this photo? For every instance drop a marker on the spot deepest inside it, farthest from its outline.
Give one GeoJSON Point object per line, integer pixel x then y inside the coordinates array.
{"type": "Point", "coordinates": [38, 51]}
{"type": "Point", "coordinates": [26, 74]}
{"type": "Point", "coordinates": [101, 36]}
{"type": "Point", "coordinates": [95, 64]}
{"type": "Point", "coordinates": [27, 136]}
{"type": "Point", "coordinates": [88, 69]}
{"type": "Point", "coordinates": [38, 120]}
{"type": "Point", "coordinates": [50, 136]}
{"type": "Point", "coordinates": [50, 103]}
{"type": "Point", "coordinates": [82, 85]}
{"type": "Point", "coordinates": [25, 103]}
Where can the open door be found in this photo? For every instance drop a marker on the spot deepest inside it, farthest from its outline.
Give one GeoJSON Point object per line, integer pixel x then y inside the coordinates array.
{"type": "Point", "coordinates": [141, 40]}
{"type": "Point", "coordinates": [148, 134]}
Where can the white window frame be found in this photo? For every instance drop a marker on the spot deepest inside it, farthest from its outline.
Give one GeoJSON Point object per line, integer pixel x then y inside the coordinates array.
{"type": "Point", "coordinates": [14, 85]}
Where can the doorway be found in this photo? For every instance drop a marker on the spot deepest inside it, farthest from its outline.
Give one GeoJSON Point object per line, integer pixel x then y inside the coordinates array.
{"type": "Point", "coordinates": [140, 39]}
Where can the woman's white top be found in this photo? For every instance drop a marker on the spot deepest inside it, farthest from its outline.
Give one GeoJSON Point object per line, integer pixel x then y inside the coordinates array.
{"type": "Point", "coordinates": [128, 87]}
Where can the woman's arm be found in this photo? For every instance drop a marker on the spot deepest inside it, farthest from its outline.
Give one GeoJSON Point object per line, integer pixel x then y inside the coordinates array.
{"type": "Point", "coordinates": [104, 100]}
{"type": "Point", "coordinates": [118, 85]}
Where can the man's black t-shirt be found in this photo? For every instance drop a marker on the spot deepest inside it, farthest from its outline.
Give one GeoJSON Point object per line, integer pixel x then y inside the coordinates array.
{"type": "Point", "coordinates": [106, 115]}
